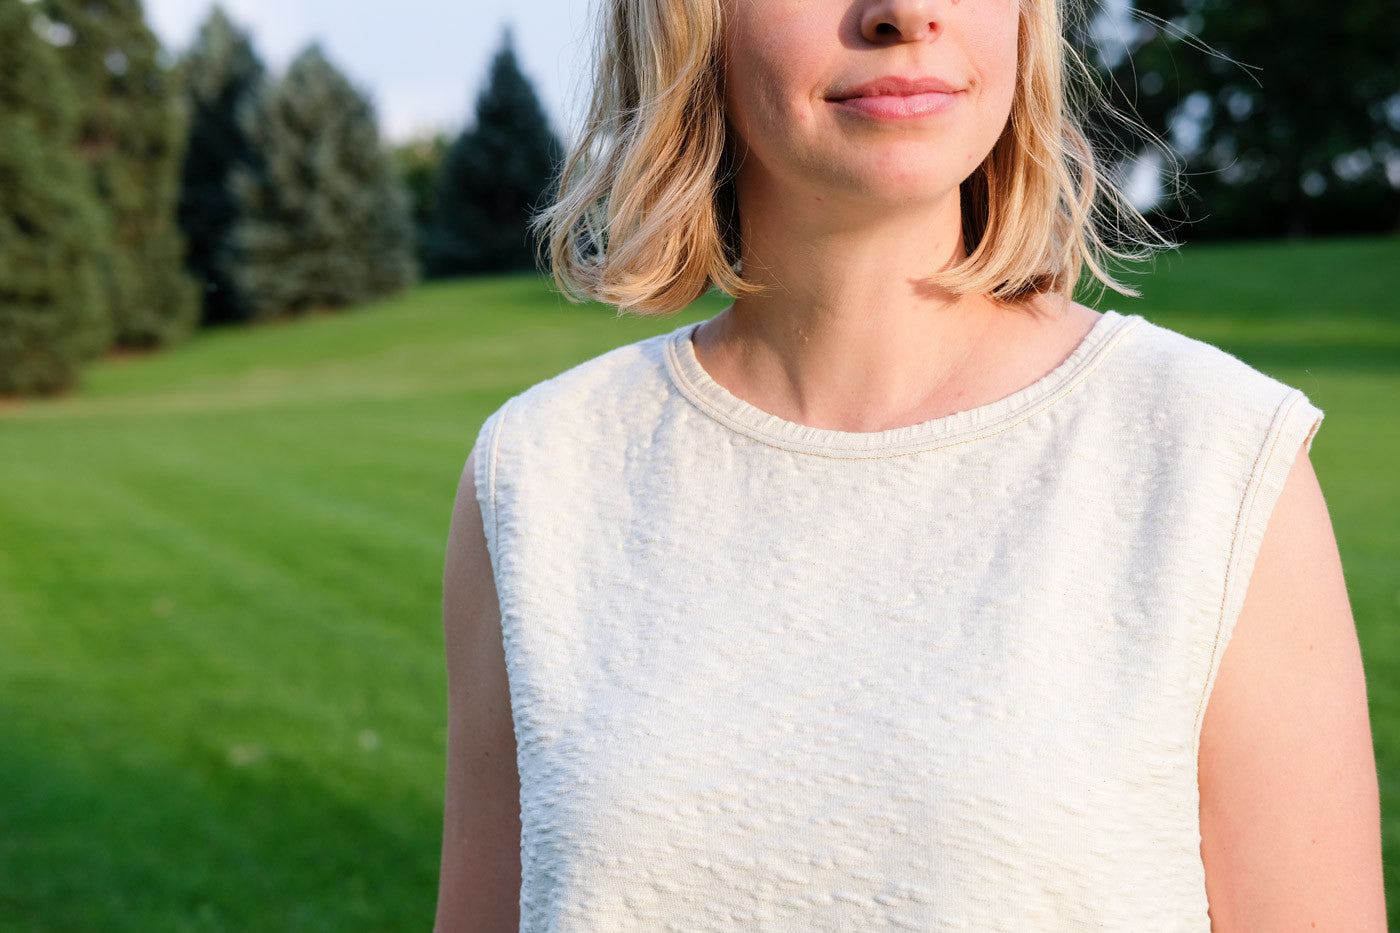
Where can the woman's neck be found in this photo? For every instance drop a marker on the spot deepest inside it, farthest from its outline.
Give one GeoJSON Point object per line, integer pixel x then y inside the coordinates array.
{"type": "Point", "coordinates": [849, 334]}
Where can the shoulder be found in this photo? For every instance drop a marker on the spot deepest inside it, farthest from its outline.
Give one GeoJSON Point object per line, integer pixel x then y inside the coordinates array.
{"type": "Point", "coordinates": [1197, 392]}
{"type": "Point", "coordinates": [1289, 809]}
{"type": "Point", "coordinates": [1174, 363]}
{"type": "Point", "coordinates": [602, 387]}
{"type": "Point", "coordinates": [575, 424]}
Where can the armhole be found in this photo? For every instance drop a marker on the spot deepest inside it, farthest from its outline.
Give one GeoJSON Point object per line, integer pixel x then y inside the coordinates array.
{"type": "Point", "coordinates": [487, 446]}
{"type": "Point", "coordinates": [1291, 432]}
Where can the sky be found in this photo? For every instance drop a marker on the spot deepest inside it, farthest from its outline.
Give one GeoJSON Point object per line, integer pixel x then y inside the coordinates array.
{"type": "Point", "coordinates": [423, 62]}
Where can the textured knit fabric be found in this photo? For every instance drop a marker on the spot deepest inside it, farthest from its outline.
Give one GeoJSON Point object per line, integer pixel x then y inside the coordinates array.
{"type": "Point", "coordinates": [949, 676]}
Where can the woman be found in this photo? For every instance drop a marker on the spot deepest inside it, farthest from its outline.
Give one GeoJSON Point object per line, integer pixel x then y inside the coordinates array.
{"type": "Point", "coordinates": [893, 595]}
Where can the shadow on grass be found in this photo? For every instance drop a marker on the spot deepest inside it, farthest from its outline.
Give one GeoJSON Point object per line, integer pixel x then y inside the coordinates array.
{"type": "Point", "coordinates": [245, 843]}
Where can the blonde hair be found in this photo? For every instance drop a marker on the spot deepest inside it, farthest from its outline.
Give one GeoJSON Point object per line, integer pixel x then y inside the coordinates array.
{"type": "Point", "coordinates": [645, 216]}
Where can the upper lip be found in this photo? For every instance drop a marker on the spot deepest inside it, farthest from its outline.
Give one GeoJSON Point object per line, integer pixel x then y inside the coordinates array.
{"type": "Point", "coordinates": [895, 86]}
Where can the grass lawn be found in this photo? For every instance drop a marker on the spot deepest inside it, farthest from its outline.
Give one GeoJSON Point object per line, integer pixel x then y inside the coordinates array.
{"type": "Point", "coordinates": [221, 683]}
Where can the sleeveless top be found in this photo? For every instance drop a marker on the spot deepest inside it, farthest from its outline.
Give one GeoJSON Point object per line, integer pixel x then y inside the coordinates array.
{"type": "Point", "coordinates": [947, 676]}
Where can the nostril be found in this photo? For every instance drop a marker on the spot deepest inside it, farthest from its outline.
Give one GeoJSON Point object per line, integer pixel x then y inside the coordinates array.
{"type": "Point", "coordinates": [891, 30]}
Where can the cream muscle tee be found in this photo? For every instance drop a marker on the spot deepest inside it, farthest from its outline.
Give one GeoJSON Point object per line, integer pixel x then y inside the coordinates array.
{"type": "Point", "coordinates": [949, 676]}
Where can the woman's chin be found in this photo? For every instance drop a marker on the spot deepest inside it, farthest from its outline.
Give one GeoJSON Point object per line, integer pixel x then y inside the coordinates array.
{"type": "Point", "coordinates": [877, 193]}
{"type": "Point", "coordinates": [902, 175]}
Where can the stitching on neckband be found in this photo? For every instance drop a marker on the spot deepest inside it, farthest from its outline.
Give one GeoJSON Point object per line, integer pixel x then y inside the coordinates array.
{"type": "Point", "coordinates": [1095, 356]}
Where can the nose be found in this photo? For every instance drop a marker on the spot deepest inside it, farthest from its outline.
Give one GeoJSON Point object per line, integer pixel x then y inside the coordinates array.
{"type": "Point", "coordinates": [886, 21]}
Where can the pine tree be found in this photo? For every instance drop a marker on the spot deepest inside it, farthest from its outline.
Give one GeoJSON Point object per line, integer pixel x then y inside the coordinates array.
{"type": "Point", "coordinates": [221, 76]}
{"type": "Point", "coordinates": [419, 162]}
{"type": "Point", "coordinates": [495, 174]}
{"type": "Point", "coordinates": [52, 317]}
{"type": "Point", "coordinates": [131, 132]}
{"type": "Point", "coordinates": [324, 219]}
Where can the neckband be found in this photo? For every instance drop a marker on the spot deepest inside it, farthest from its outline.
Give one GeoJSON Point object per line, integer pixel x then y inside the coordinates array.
{"type": "Point", "coordinates": [695, 383]}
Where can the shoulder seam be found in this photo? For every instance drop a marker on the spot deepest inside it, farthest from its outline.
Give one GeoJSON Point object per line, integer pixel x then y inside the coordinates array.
{"type": "Point", "coordinates": [683, 384]}
{"type": "Point", "coordinates": [495, 445]}
{"type": "Point", "coordinates": [1246, 508]}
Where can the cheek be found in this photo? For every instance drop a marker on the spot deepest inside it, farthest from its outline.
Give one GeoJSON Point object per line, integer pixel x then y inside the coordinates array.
{"type": "Point", "coordinates": [770, 81]}
{"type": "Point", "coordinates": [994, 47]}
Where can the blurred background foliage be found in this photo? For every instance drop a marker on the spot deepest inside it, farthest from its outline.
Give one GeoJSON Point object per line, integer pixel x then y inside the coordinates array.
{"type": "Point", "coordinates": [142, 199]}
{"type": "Point", "coordinates": [131, 138]}
{"type": "Point", "coordinates": [1284, 116]}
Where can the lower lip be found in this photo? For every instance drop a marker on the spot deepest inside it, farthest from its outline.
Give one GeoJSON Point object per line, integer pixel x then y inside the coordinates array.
{"type": "Point", "coordinates": [899, 107]}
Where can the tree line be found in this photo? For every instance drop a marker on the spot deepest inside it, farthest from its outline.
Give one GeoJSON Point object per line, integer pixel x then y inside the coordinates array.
{"type": "Point", "coordinates": [140, 200]}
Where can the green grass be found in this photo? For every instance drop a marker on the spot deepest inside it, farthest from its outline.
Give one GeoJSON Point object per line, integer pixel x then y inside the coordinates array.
{"type": "Point", "coordinates": [221, 684]}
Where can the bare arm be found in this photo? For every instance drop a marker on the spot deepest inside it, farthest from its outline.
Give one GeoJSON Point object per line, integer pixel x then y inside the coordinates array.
{"type": "Point", "coordinates": [1290, 812]}
{"type": "Point", "coordinates": [479, 887]}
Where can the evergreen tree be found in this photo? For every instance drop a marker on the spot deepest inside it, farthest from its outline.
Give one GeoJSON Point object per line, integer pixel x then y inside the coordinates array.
{"type": "Point", "coordinates": [419, 162]}
{"type": "Point", "coordinates": [222, 75]}
{"type": "Point", "coordinates": [324, 219]}
{"type": "Point", "coordinates": [131, 133]}
{"type": "Point", "coordinates": [496, 173]}
{"type": "Point", "coordinates": [52, 317]}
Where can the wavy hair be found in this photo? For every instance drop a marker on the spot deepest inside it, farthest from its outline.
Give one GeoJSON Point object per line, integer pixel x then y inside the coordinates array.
{"type": "Point", "coordinates": [645, 217]}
